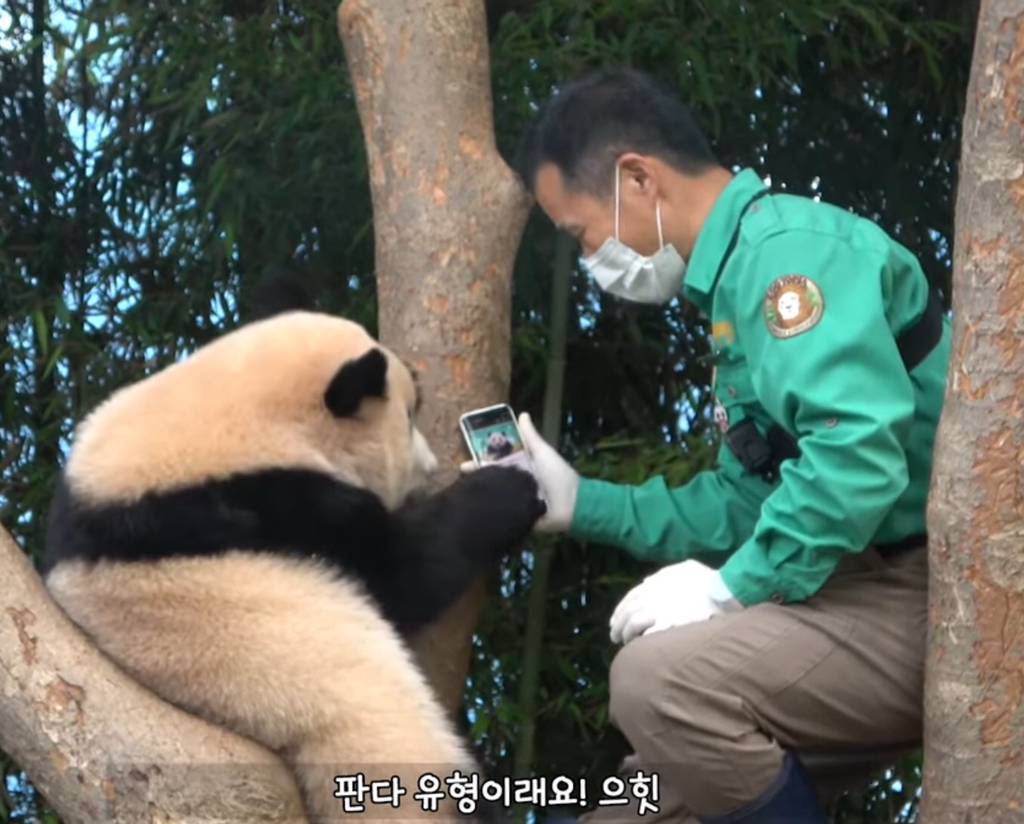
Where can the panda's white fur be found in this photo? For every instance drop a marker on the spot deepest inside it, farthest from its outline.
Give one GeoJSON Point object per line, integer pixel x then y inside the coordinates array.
{"type": "Point", "coordinates": [283, 645]}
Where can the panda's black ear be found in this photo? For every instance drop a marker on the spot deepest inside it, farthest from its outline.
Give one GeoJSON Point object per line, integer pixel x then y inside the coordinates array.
{"type": "Point", "coordinates": [357, 379]}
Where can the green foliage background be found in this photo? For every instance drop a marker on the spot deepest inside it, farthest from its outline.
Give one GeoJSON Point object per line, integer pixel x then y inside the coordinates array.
{"type": "Point", "coordinates": [158, 158]}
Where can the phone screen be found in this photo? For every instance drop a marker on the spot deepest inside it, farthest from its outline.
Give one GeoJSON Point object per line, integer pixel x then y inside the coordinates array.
{"type": "Point", "coordinates": [493, 436]}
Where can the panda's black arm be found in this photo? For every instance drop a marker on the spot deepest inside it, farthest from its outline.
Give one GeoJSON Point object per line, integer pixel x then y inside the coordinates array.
{"type": "Point", "coordinates": [437, 547]}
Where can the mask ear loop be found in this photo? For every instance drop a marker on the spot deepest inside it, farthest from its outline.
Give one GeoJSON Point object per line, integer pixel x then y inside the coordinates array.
{"type": "Point", "coordinates": [657, 217]}
{"type": "Point", "coordinates": [618, 174]}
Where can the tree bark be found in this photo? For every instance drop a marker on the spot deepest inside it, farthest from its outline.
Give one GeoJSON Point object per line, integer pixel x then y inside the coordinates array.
{"type": "Point", "coordinates": [974, 697]}
{"type": "Point", "coordinates": [448, 215]}
{"type": "Point", "coordinates": [98, 746]}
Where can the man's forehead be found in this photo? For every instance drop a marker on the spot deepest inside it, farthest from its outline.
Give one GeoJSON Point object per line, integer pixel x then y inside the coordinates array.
{"type": "Point", "coordinates": [565, 207]}
{"type": "Point", "coordinates": [549, 186]}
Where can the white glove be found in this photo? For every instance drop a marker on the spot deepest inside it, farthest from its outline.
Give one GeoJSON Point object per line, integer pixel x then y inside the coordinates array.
{"type": "Point", "coordinates": [673, 596]}
{"type": "Point", "coordinates": [558, 481]}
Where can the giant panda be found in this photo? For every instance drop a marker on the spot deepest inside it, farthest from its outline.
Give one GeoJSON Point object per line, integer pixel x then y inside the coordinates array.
{"type": "Point", "coordinates": [245, 532]}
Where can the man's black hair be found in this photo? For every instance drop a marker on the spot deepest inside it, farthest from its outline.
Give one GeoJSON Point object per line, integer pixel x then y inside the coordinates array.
{"type": "Point", "coordinates": [591, 122]}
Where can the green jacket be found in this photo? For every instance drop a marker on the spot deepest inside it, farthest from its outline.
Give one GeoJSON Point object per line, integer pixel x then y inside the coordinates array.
{"type": "Point", "coordinates": [806, 301]}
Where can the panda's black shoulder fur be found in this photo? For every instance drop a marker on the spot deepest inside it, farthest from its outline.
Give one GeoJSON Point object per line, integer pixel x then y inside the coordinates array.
{"type": "Point", "coordinates": [414, 561]}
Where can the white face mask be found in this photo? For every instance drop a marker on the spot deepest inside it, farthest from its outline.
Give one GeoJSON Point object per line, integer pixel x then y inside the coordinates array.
{"type": "Point", "coordinates": [622, 271]}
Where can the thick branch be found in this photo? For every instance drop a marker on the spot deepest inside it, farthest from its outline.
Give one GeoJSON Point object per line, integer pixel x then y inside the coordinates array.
{"type": "Point", "coordinates": [974, 713]}
{"type": "Point", "coordinates": [101, 748]}
{"type": "Point", "coordinates": [448, 215]}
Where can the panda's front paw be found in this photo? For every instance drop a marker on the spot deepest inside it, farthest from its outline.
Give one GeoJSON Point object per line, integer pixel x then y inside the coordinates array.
{"type": "Point", "coordinates": [502, 503]}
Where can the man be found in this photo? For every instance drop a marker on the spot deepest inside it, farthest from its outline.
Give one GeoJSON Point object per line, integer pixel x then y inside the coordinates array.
{"type": "Point", "coordinates": [806, 630]}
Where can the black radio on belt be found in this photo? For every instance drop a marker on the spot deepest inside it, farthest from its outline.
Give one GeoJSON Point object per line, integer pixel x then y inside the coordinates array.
{"type": "Point", "coordinates": [761, 455]}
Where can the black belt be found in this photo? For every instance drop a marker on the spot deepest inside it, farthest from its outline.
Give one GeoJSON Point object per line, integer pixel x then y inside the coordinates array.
{"type": "Point", "coordinates": [763, 454]}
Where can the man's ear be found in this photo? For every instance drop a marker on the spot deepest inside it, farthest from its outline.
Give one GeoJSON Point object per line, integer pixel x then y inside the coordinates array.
{"type": "Point", "coordinates": [639, 175]}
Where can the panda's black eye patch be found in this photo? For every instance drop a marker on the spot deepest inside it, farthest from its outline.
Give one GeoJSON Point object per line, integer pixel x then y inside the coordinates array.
{"type": "Point", "coordinates": [363, 377]}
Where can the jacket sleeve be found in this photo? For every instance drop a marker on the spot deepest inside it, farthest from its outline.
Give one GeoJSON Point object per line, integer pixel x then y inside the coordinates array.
{"type": "Point", "coordinates": [713, 513]}
{"type": "Point", "coordinates": [841, 389]}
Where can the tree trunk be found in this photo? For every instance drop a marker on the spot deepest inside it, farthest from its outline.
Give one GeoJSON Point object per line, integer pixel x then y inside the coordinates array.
{"type": "Point", "coordinates": [974, 700]}
{"type": "Point", "coordinates": [448, 215]}
{"type": "Point", "coordinates": [101, 748]}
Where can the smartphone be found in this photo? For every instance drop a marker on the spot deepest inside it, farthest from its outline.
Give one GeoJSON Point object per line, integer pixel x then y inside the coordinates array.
{"type": "Point", "coordinates": [493, 436]}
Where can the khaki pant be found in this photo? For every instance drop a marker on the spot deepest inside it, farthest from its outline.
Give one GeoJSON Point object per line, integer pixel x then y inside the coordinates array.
{"type": "Point", "coordinates": [710, 706]}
